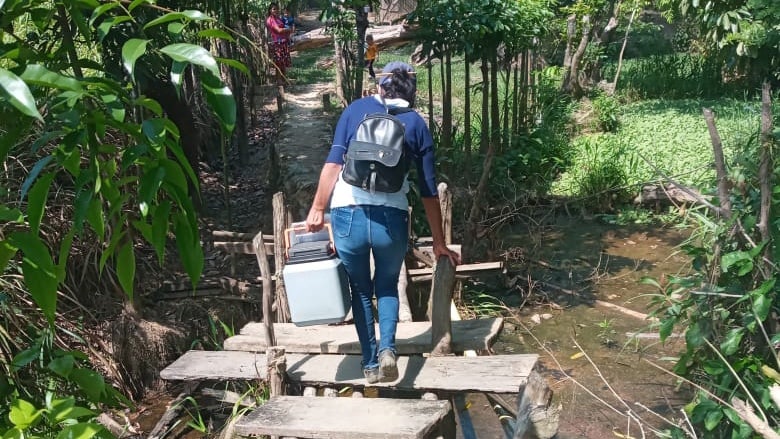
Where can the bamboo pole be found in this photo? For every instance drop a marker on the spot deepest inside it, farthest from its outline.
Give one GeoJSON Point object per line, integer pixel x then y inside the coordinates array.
{"type": "Point", "coordinates": [280, 225]}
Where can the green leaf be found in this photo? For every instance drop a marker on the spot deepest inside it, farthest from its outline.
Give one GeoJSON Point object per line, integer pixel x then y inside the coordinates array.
{"type": "Point", "coordinates": [39, 272]}
{"type": "Point", "coordinates": [106, 25]}
{"type": "Point", "coordinates": [62, 260]}
{"type": "Point", "coordinates": [762, 302]}
{"type": "Point", "coordinates": [131, 51]}
{"type": "Point", "coordinates": [174, 174]}
{"type": "Point", "coordinates": [34, 172]}
{"type": "Point", "coordinates": [185, 52]}
{"type": "Point", "coordinates": [7, 251]}
{"type": "Point", "coordinates": [693, 336]}
{"type": "Point", "coordinates": [189, 14]}
{"type": "Point", "coordinates": [190, 250]}
{"type": "Point", "coordinates": [16, 91]}
{"type": "Point", "coordinates": [238, 65]}
{"type": "Point", "coordinates": [151, 105]}
{"type": "Point", "coordinates": [37, 74]}
{"type": "Point", "coordinates": [95, 218]}
{"type": "Point", "coordinates": [82, 430]}
{"type": "Point", "coordinates": [176, 28]}
{"type": "Point", "coordinates": [102, 9]}
{"type": "Point", "coordinates": [221, 101]}
{"type": "Point", "coordinates": [732, 258]}
{"type": "Point", "coordinates": [74, 412]}
{"type": "Point", "coordinates": [216, 33]}
{"type": "Point", "coordinates": [665, 330]}
{"type": "Point", "coordinates": [177, 73]}
{"type": "Point", "coordinates": [160, 229]}
{"type": "Point", "coordinates": [25, 357]}
{"type": "Point", "coordinates": [712, 419]}
{"type": "Point", "coordinates": [125, 267]}
{"type": "Point", "coordinates": [109, 251]}
{"type": "Point", "coordinates": [36, 202]}
{"type": "Point", "coordinates": [62, 366]}
{"type": "Point", "coordinates": [137, 3]}
{"type": "Point", "coordinates": [23, 414]}
{"type": "Point", "coordinates": [91, 382]}
{"type": "Point", "coordinates": [733, 338]}
{"type": "Point", "coordinates": [11, 215]}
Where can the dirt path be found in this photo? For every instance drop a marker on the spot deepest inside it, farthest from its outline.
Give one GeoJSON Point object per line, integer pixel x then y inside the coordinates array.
{"type": "Point", "coordinates": [303, 143]}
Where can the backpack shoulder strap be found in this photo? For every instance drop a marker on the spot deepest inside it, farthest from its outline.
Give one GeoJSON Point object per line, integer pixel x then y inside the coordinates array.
{"type": "Point", "coordinates": [399, 110]}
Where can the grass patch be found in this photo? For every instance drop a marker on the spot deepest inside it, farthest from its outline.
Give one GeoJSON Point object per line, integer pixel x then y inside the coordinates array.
{"type": "Point", "coordinates": [306, 66]}
{"type": "Point", "coordinates": [669, 135]}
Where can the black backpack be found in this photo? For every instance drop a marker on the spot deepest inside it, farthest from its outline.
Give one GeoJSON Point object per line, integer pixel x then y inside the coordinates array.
{"type": "Point", "coordinates": [376, 156]}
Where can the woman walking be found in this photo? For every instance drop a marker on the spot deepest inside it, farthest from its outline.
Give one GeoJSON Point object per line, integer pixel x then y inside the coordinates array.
{"type": "Point", "coordinates": [367, 222]}
{"type": "Point", "coordinates": [278, 42]}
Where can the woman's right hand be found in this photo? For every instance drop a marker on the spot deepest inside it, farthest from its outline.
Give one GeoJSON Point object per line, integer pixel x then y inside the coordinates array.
{"type": "Point", "coordinates": [315, 220]}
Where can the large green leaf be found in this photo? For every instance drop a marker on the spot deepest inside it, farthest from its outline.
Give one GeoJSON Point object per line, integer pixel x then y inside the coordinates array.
{"type": "Point", "coordinates": [125, 267]}
{"type": "Point", "coordinates": [733, 338]}
{"type": "Point", "coordinates": [91, 382]}
{"type": "Point", "coordinates": [106, 25]}
{"type": "Point", "coordinates": [177, 75]}
{"type": "Point", "coordinates": [185, 52]}
{"type": "Point", "coordinates": [23, 414]}
{"type": "Point", "coordinates": [34, 172]}
{"type": "Point", "coordinates": [7, 251]}
{"type": "Point", "coordinates": [10, 215]}
{"type": "Point", "coordinates": [191, 15]}
{"type": "Point", "coordinates": [102, 9]}
{"type": "Point", "coordinates": [39, 271]}
{"type": "Point", "coordinates": [62, 366]}
{"type": "Point", "coordinates": [37, 74]}
{"type": "Point", "coordinates": [238, 65]}
{"type": "Point", "coordinates": [131, 51]}
{"type": "Point", "coordinates": [160, 229]}
{"type": "Point", "coordinates": [18, 94]}
{"type": "Point", "coordinates": [82, 430]}
{"type": "Point", "coordinates": [216, 33]}
{"type": "Point", "coordinates": [221, 101]}
{"type": "Point", "coordinates": [36, 201]}
{"type": "Point", "coordinates": [190, 250]}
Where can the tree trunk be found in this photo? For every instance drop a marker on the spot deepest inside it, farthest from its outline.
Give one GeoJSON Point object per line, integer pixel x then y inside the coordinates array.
{"type": "Point", "coordinates": [467, 121]}
{"type": "Point", "coordinates": [429, 67]}
{"type": "Point", "coordinates": [516, 96]}
{"type": "Point", "coordinates": [484, 135]}
{"type": "Point", "coordinates": [339, 70]}
{"type": "Point", "coordinates": [446, 114]}
{"type": "Point", "coordinates": [622, 51]}
{"type": "Point", "coordinates": [575, 87]}
{"type": "Point", "coordinates": [571, 29]}
{"type": "Point", "coordinates": [361, 21]}
{"type": "Point", "coordinates": [507, 106]}
{"type": "Point", "coordinates": [766, 165]}
{"type": "Point", "coordinates": [495, 112]}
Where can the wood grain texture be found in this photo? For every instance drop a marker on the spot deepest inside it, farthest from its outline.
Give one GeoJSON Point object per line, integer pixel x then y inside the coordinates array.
{"type": "Point", "coordinates": [326, 418]}
{"type": "Point", "coordinates": [411, 338]}
{"type": "Point", "coordinates": [496, 374]}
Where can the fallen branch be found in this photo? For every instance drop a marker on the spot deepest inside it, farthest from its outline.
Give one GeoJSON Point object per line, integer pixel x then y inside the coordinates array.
{"type": "Point", "coordinates": [172, 412]}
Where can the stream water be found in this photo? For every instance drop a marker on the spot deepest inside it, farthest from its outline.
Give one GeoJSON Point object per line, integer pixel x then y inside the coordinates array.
{"type": "Point", "coordinates": [582, 307]}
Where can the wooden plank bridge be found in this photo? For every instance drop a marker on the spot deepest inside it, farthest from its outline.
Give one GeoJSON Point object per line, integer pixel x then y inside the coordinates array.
{"type": "Point", "coordinates": [328, 356]}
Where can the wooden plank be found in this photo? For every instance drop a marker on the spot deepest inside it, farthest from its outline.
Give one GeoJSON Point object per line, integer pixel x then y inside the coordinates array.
{"type": "Point", "coordinates": [494, 374]}
{"type": "Point", "coordinates": [465, 268]}
{"type": "Point", "coordinates": [238, 236]}
{"type": "Point", "coordinates": [243, 248]}
{"type": "Point", "coordinates": [411, 338]}
{"type": "Point", "coordinates": [371, 418]}
{"type": "Point", "coordinates": [439, 306]}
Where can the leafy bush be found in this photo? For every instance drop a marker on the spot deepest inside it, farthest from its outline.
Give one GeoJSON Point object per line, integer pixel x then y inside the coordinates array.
{"type": "Point", "coordinates": [727, 306]}
{"type": "Point", "coordinates": [606, 109]}
{"type": "Point", "coordinates": [674, 76]}
{"type": "Point", "coordinates": [600, 176]}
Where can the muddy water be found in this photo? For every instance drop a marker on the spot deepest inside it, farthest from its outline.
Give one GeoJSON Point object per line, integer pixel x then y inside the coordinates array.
{"type": "Point", "coordinates": [578, 269]}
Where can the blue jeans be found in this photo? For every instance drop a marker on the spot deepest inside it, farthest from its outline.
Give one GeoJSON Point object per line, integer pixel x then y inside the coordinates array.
{"type": "Point", "coordinates": [359, 231]}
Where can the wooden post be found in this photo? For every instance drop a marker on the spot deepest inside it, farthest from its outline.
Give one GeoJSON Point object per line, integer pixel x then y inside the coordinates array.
{"type": "Point", "coordinates": [535, 417]}
{"type": "Point", "coordinates": [277, 370]}
{"type": "Point", "coordinates": [280, 98]}
{"type": "Point", "coordinates": [404, 310]}
{"type": "Point", "coordinates": [439, 306]}
{"type": "Point", "coordinates": [265, 273]}
{"type": "Point", "coordinates": [445, 201]}
{"type": "Point", "coordinates": [309, 391]}
{"type": "Point", "coordinates": [280, 224]}
{"type": "Point", "coordinates": [330, 392]}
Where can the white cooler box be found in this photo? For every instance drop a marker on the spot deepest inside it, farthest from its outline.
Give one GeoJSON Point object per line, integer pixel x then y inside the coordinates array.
{"type": "Point", "coordinates": [315, 279]}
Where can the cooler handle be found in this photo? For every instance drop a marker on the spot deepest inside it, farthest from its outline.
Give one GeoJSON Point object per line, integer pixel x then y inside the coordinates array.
{"type": "Point", "coordinates": [292, 229]}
